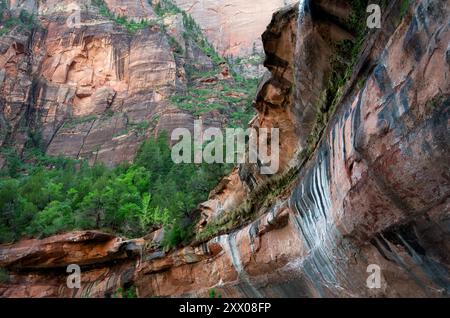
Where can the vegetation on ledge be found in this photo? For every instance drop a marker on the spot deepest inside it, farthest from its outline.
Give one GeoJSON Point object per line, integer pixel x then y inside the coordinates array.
{"type": "Point", "coordinates": [343, 65]}
{"type": "Point", "coordinates": [8, 22]}
{"type": "Point", "coordinates": [130, 25]}
{"type": "Point", "coordinates": [236, 98]}
{"type": "Point", "coordinates": [192, 32]}
{"type": "Point", "coordinates": [261, 198]}
{"type": "Point", "coordinates": [232, 96]}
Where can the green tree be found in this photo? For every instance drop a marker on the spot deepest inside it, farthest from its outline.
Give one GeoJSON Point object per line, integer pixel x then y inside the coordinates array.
{"type": "Point", "coordinates": [56, 217]}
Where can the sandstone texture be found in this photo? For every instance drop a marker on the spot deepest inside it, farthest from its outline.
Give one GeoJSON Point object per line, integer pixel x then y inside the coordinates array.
{"type": "Point", "coordinates": [371, 188]}
{"type": "Point", "coordinates": [92, 91]}
{"type": "Point", "coordinates": [233, 26]}
{"type": "Point", "coordinates": [134, 9]}
{"type": "Point", "coordinates": [107, 257]}
{"type": "Point", "coordinates": [95, 90]}
{"type": "Point", "coordinates": [363, 196]}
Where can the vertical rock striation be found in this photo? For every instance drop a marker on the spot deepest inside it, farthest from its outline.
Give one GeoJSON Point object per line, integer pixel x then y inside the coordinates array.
{"type": "Point", "coordinates": [233, 26]}
{"type": "Point", "coordinates": [97, 89]}
{"type": "Point", "coordinates": [87, 89]}
{"type": "Point", "coordinates": [368, 178]}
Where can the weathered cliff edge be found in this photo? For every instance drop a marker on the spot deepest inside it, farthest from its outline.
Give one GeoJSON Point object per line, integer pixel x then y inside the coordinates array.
{"type": "Point", "coordinates": [233, 26]}
{"type": "Point", "coordinates": [96, 90]}
{"type": "Point", "coordinates": [372, 188]}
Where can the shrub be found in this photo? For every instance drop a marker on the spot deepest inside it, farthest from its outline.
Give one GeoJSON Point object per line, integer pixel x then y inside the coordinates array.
{"type": "Point", "coordinates": [56, 217]}
{"type": "Point", "coordinates": [130, 25]}
{"type": "Point", "coordinates": [4, 276]}
{"type": "Point", "coordinates": [24, 21]}
{"type": "Point", "coordinates": [52, 195]}
{"type": "Point", "coordinates": [129, 292]}
{"type": "Point", "coordinates": [213, 293]}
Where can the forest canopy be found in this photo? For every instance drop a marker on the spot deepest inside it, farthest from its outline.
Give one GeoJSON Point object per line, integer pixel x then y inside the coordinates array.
{"type": "Point", "coordinates": [41, 196]}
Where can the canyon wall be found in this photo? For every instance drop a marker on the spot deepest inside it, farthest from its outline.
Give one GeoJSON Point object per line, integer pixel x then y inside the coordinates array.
{"type": "Point", "coordinates": [93, 89]}
{"type": "Point", "coordinates": [233, 26]}
{"type": "Point", "coordinates": [374, 190]}
{"type": "Point", "coordinates": [364, 180]}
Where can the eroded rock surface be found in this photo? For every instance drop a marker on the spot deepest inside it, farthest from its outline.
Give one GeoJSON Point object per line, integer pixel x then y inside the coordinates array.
{"type": "Point", "coordinates": [233, 26]}
{"type": "Point", "coordinates": [363, 197]}
{"type": "Point", "coordinates": [92, 89]}
{"type": "Point", "coordinates": [374, 189]}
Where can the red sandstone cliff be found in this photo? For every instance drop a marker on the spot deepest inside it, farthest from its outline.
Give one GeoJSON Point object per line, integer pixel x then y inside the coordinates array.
{"type": "Point", "coordinates": [95, 90]}
{"type": "Point", "coordinates": [234, 26]}
{"type": "Point", "coordinates": [365, 180]}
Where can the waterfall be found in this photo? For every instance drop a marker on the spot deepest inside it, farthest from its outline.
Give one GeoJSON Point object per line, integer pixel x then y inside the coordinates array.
{"type": "Point", "coordinates": [303, 7]}
{"type": "Point", "coordinates": [228, 243]}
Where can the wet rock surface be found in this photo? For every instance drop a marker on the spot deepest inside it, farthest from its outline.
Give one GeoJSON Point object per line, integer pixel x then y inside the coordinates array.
{"type": "Point", "coordinates": [374, 190]}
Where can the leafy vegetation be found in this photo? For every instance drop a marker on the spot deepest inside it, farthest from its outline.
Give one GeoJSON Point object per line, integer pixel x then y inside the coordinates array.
{"type": "Point", "coordinates": [4, 276]}
{"type": "Point", "coordinates": [236, 98]}
{"type": "Point", "coordinates": [233, 97]}
{"type": "Point", "coordinates": [42, 196]}
{"type": "Point", "coordinates": [129, 292]}
{"type": "Point", "coordinates": [404, 7]}
{"type": "Point", "coordinates": [176, 47]}
{"type": "Point", "coordinates": [140, 128]}
{"type": "Point", "coordinates": [130, 25]}
{"type": "Point", "coordinates": [192, 32]}
{"type": "Point", "coordinates": [347, 53]}
{"type": "Point", "coordinates": [259, 199]}
{"type": "Point", "coordinates": [24, 21]}
{"type": "Point", "coordinates": [165, 8]}
{"type": "Point", "coordinates": [213, 293]}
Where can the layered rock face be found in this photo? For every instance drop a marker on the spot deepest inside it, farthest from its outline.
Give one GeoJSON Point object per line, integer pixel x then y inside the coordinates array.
{"type": "Point", "coordinates": [363, 198]}
{"type": "Point", "coordinates": [92, 90]}
{"type": "Point", "coordinates": [133, 9]}
{"type": "Point", "coordinates": [109, 260]}
{"type": "Point", "coordinates": [88, 88]}
{"type": "Point", "coordinates": [370, 190]}
{"type": "Point", "coordinates": [233, 26]}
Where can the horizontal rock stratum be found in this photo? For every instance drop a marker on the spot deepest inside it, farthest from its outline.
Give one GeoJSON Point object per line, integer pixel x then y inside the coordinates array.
{"type": "Point", "coordinates": [367, 186]}
{"type": "Point", "coordinates": [97, 91]}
